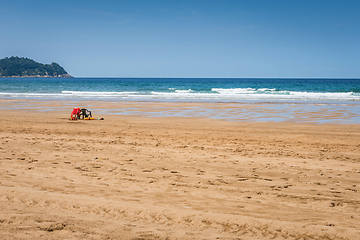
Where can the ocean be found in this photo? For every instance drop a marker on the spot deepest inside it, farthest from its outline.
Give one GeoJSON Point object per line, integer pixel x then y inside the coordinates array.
{"type": "Point", "coordinates": [184, 89]}
{"type": "Point", "coordinates": [234, 99]}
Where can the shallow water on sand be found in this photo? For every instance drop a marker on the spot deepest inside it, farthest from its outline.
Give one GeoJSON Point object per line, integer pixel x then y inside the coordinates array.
{"type": "Point", "coordinates": [247, 112]}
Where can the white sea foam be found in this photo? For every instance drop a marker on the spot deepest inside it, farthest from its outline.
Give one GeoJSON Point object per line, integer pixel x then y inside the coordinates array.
{"type": "Point", "coordinates": [180, 95]}
{"type": "Point", "coordinates": [6, 94]}
{"type": "Point", "coordinates": [228, 94]}
{"type": "Point", "coordinates": [184, 91]}
{"type": "Point", "coordinates": [265, 93]}
{"type": "Point", "coordinates": [100, 94]}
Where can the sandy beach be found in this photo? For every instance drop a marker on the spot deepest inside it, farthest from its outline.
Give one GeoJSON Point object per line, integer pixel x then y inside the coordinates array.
{"type": "Point", "coordinates": [140, 177]}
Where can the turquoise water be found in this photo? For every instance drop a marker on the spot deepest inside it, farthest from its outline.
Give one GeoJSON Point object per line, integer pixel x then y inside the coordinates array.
{"type": "Point", "coordinates": [188, 89]}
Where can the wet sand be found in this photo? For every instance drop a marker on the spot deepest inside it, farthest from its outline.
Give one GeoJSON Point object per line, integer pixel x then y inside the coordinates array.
{"type": "Point", "coordinates": [296, 112]}
{"type": "Point", "coordinates": [137, 177]}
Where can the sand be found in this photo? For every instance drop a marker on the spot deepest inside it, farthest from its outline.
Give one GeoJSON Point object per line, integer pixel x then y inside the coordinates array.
{"type": "Point", "coordinates": [133, 177]}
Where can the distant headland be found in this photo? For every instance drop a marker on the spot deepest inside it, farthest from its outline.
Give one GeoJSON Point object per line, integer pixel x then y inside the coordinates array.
{"type": "Point", "coordinates": [25, 67]}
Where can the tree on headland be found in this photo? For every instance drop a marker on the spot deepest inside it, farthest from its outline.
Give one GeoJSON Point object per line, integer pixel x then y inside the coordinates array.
{"type": "Point", "coordinates": [25, 67]}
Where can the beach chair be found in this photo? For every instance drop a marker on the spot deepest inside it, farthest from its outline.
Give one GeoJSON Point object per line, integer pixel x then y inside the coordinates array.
{"type": "Point", "coordinates": [84, 113]}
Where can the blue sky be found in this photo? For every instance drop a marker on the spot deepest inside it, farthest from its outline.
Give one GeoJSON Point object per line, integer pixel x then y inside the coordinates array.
{"type": "Point", "coordinates": [183, 38]}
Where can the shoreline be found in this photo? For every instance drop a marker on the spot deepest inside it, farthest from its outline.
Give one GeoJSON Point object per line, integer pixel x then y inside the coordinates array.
{"type": "Point", "coordinates": [195, 90]}
{"type": "Point", "coordinates": [318, 113]}
{"type": "Point", "coordinates": [39, 76]}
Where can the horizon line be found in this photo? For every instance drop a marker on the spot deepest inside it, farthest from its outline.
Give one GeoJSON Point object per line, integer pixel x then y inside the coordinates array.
{"type": "Point", "coordinates": [230, 77]}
